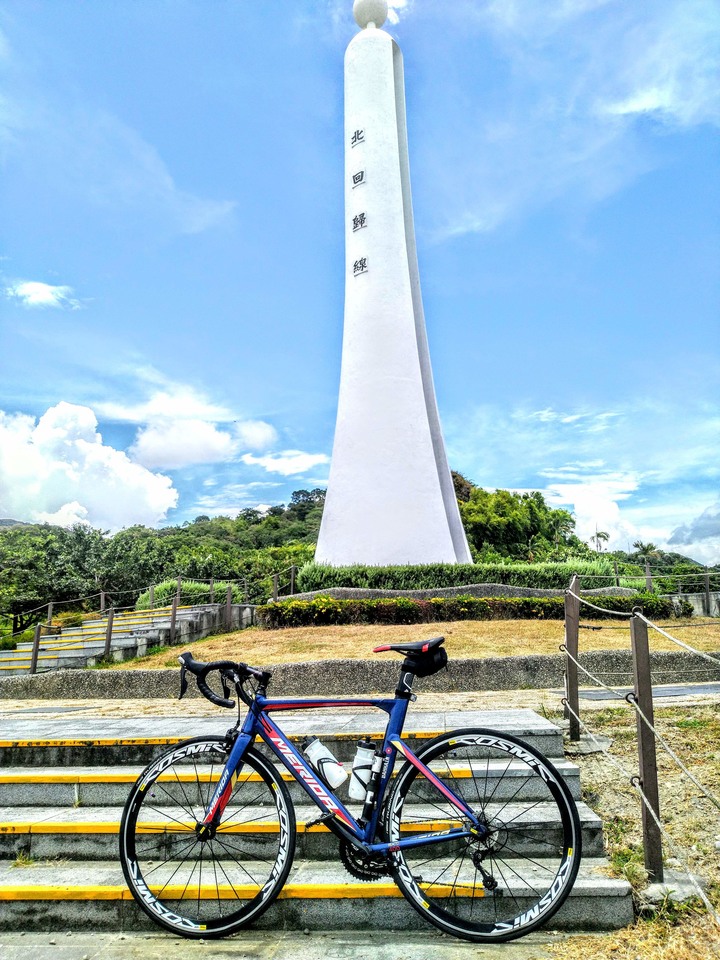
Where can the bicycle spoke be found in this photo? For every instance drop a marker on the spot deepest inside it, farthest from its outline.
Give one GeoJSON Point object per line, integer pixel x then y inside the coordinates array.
{"type": "Point", "coordinates": [529, 824]}
{"type": "Point", "coordinates": [184, 882]}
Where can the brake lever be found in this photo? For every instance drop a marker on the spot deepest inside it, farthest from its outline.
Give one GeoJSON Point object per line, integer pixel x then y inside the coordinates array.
{"type": "Point", "coordinates": [183, 681]}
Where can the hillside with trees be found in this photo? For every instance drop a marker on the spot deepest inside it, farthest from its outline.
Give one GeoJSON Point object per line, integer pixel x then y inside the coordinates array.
{"type": "Point", "coordinates": [40, 562]}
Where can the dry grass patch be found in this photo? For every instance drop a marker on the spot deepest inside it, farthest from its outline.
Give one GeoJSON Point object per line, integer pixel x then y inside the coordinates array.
{"type": "Point", "coordinates": [691, 937]}
{"type": "Point", "coordinates": [676, 933]}
{"type": "Point", "coordinates": [464, 638]}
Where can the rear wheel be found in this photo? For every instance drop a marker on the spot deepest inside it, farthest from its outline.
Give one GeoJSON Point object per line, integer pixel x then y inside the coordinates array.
{"type": "Point", "coordinates": [212, 885]}
{"type": "Point", "coordinates": [513, 879]}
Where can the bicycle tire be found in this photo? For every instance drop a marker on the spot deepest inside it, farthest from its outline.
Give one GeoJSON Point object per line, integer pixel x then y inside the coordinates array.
{"type": "Point", "coordinates": [213, 887]}
{"type": "Point", "coordinates": [531, 855]}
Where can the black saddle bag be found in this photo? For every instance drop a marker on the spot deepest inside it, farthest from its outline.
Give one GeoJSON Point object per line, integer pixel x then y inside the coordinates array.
{"type": "Point", "coordinates": [426, 664]}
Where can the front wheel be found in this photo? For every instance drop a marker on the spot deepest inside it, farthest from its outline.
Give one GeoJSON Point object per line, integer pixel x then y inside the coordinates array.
{"type": "Point", "coordinates": [206, 884]}
{"type": "Point", "coordinates": [514, 878]}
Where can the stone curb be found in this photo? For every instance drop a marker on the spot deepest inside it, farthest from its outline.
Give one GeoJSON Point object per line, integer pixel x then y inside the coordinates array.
{"type": "Point", "coordinates": [339, 677]}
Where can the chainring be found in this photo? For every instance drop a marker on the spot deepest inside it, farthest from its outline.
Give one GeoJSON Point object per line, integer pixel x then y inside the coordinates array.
{"type": "Point", "coordinates": [360, 865]}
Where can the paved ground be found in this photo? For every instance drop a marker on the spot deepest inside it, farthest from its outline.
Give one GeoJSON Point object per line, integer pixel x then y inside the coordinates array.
{"type": "Point", "coordinates": [279, 946]}
{"type": "Point", "coordinates": [38, 713]}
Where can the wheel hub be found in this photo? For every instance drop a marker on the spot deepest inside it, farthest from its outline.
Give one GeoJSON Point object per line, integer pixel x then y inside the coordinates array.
{"type": "Point", "coordinates": [205, 831]}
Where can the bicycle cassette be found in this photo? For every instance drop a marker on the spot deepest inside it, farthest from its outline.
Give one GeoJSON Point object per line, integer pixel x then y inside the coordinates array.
{"type": "Point", "coordinates": [360, 865]}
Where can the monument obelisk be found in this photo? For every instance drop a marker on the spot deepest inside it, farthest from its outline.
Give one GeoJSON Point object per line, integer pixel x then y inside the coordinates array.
{"type": "Point", "coordinates": [390, 497]}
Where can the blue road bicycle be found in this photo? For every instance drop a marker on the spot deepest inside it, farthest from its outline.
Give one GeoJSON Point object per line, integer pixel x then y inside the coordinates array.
{"type": "Point", "coordinates": [477, 829]}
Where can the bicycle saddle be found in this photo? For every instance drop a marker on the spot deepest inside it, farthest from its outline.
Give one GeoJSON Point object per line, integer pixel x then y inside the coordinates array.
{"type": "Point", "coordinates": [412, 649]}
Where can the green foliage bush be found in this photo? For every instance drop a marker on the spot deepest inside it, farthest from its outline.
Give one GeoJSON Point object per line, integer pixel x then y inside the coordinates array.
{"type": "Point", "coordinates": [191, 593]}
{"type": "Point", "coordinates": [324, 611]}
{"type": "Point", "coordinates": [595, 573]}
{"type": "Point", "coordinates": [69, 618]}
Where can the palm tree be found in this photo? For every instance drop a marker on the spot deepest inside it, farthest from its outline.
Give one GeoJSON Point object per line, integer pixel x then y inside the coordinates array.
{"type": "Point", "coordinates": [645, 549]}
{"type": "Point", "coordinates": [600, 537]}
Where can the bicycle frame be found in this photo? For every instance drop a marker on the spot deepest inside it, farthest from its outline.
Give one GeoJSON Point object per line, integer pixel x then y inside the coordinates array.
{"type": "Point", "coordinates": [334, 813]}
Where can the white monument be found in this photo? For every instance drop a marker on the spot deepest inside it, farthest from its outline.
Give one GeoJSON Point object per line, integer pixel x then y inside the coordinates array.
{"type": "Point", "coordinates": [390, 497]}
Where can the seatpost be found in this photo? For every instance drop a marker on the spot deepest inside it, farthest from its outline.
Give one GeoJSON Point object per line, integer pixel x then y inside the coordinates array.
{"type": "Point", "coordinates": [407, 675]}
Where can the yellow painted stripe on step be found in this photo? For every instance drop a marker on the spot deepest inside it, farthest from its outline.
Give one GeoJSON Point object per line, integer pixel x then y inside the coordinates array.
{"type": "Point", "coordinates": [111, 742]}
{"type": "Point", "coordinates": [142, 741]}
{"type": "Point", "coordinates": [291, 891]}
{"type": "Point", "coordinates": [39, 778]}
{"type": "Point", "coordinates": [269, 826]}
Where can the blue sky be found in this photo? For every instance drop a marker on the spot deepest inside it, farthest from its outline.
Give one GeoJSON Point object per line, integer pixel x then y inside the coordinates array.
{"type": "Point", "coordinates": [171, 253]}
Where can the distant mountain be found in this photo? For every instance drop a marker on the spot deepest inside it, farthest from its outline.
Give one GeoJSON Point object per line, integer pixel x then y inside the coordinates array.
{"type": "Point", "coordinates": [13, 523]}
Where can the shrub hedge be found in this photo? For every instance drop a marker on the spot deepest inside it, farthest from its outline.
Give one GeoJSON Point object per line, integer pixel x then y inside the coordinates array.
{"type": "Point", "coordinates": [191, 592]}
{"type": "Point", "coordinates": [324, 611]}
{"type": "Point", "coordinates": [596, 573]}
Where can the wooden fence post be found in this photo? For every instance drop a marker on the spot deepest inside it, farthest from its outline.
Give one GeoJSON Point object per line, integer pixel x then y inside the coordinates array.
{"type": "Point", "coordinates": [152, 596]}
{"type": "Point", "coordinates": [647, 758]}
{"type": "Point", "coordinates": [212, 590]}
{"type": "Point", "coordinates": [648, 576]}
{"type": "Point", "coordinates": [293, 571]}
{"type": "Point", "coordinates": [108, 632]}
{"type": "Point", "coordinates": [102, 601]}
{"type": "Point", "coordinates": [50, 613]}
{"type": "Point", "coordinates": [173, 619]}
{"type": "Point", "coordinates": [228, 608]}
{"type": "Point", "coordinates": [246, 595]}
{"type": "Point", "coordinates": [572, 632]}
{"type": "Point", "coordinates": [276, 583]}
{"type": "Point", "coordinates": [35, 649]}
{"type": "Point", "coordinates": [617, 573]}
{"type": "Point", "coordinates": [708, 607]}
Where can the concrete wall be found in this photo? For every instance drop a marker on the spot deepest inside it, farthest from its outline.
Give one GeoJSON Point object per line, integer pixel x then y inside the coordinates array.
{"type": "Point", "coordinates": [699, 602]}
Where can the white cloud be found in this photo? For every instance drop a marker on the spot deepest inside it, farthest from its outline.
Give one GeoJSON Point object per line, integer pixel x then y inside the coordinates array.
{"type": "Point", "coordinates": [180, 401]}
{"type": "Point", "coordinates": [180, 426]}
{"type": "Point", "coordinates": [122, 171]}
{"type": "Point", "coordinates": [93, 158]}
{"type": "Point", "coordinates": [396, 9]}
{"type": "Point", "coordinates": [59, 467]}
{"type": "Point", "coordinates": [35, 294]}
{"type": "Point", "coordinates": [255, 434]}
{"type": "Point", "coordinates": [230, 499]}
{"type": "Point", "coordinates": [288, 463]}
{"type": "Point", "coordinates": [639, 471]}
{"type": "Point", "coordinates": [173, 444]}
{"type": "Point", "coordinates": [673, 72]}
{"type": "Point", "coordinates": [705, 527]}
{"type": "Point", "coordinates": [67, 516]}
{"type": "Point", "coordinates": [595, 500]}
{"type": "Point", "coordinates": [562, 120]}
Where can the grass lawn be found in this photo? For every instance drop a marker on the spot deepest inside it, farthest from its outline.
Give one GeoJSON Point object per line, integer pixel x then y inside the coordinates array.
{"type": "Point", "coordinates": [464, 638]}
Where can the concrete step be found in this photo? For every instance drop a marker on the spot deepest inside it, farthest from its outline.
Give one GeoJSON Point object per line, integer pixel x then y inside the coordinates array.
{"type": "Point", "coordinates": [48, 833]}
{"type": "Point", "coordinates": [318, 896]}
{"type": "Point", "coordinates": [74, 742]}
{"type": "Point", "coordinates": [109, 786]}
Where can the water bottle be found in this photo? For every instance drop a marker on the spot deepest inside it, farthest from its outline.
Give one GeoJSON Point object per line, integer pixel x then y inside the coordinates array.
{"type": "Point", "coordinates": [329, 768]}
{"type": "Point", "coordinates": [361, 770]}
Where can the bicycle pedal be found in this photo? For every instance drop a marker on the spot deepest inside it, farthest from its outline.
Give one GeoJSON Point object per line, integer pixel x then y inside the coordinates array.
{"type": "Point", "coordinates": [323, 819]}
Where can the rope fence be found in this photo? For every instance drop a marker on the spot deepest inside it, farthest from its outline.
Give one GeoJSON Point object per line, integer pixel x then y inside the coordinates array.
{"type": "Point", "coordinates": [635, 783]}
{"type": "Point", "coordinates": [640, 698]}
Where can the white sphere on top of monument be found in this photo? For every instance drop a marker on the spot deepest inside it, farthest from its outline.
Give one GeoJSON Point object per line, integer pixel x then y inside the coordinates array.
{"type": "Point", "coordinates": [370, 11]}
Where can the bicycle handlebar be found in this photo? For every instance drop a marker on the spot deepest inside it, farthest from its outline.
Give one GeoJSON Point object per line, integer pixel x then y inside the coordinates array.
{"type": "Point", "coordinates": [230, 672]}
